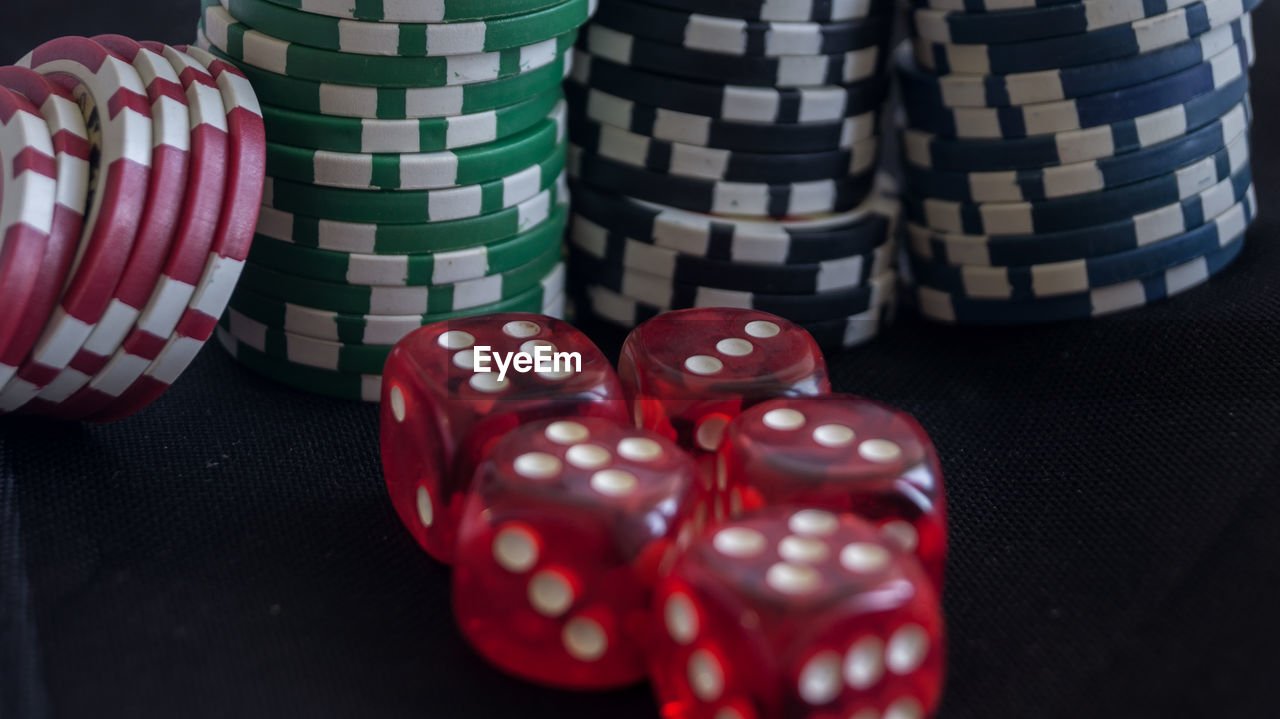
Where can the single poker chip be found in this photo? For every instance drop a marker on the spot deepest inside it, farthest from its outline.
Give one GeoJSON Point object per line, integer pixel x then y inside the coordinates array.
{"type": "Point", "coordinates": [1230, 164]}
{"type": "Point", "coordinates": [1018, 25]}
{"type": "Point", "coordinates": [410, 39]}
{"type": "Point", "coordinates": [836, 274]}
{"type": "Point", "coordinates": [1081, 177]}
{"type": "Point", "coordinates": [664, 294]}
{"type": "Point", "coordinates": [1090, 111]}
{"type": "Point", "coordinates": [784, 11]}
{"type": "Point", "coordinates": [733, 36]}
{"type": "Point", "coordinates": [1113, 43]}
{"type": "Point", "coordinates": [117, 115]}
{"type": "Point", "coordinates": [431, 134]}
{"type": "Point", "coordinates": [1109, 299]}
{"type": "Point", "coordinates": [1025, 88]}
{"type": "Point", "coordinates": [392, 103]}
{"type": "Point", "coordinates": [28, 188]}
{"type": "Point", "coordinates": [444, 236]}
{"type": "Point", "coordinates": [598, 215]}
{"type": "Point", "coordinates": [339, 385]}
{"type": "Point", "coordinates": [423, 300]}
{"type": "Point", "coordinates": [71, 149]}
{"type": "Point", "coordinates": [788, 71]}
{"type": "Point", "coordinates": [418, 171]}
{"type": "Point", "coordinates": [684, 160]}
{"type": "Point", "coordinates": [675, 126]}
{"type": "Point", "coordinates": [411, 270]}
{"type": "Point", "coordinates": [1065, 148]}
{"type": "Point", "coordinates": [392, 11]}
{"type": "Point", "coordinates": [156, 238]}
{"type": "Point", "coordinates": [1025, 282]}
{"type": "Point", "coordinates": [415, 206]}
{"type": "Point", "coordinates": [747, 199]}
{"type": "Point", "coordinates": [734, 103]}
{"type": "Point", "coordinates": [1132, 232]}
{"type": "Point", "coordinates": [382, 329]}
{"type": "Point", "coordinates": [245, 169]}
{"type": "Point", "coordinates": [192, 236]}
{"type": "Point", "coordinates": [250, 47]}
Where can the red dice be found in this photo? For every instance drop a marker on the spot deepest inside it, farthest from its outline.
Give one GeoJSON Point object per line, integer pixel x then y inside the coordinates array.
{"type": "Point", "coordinates": [441, 412]}
{"type": "Point", "coordinates": [843, 453]}
{"type": "Point", "coordinates": [688, 373]}
{"type": "Point", "coordinates": [797, 613]}
{"type": "Point", "coordinates": [560, 545]}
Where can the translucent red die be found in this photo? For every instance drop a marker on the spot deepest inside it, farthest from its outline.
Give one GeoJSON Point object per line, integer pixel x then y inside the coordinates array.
{"type": "Point", "coordinates": [688, 372]}
{"type": "Point", "coordinates": [797, 613]}
{"type": "Point", "coordinates": [843, 453]}
{"type": "Point", "coordinates": [560, 545]}
{"type": "Point", "coordinates": [440, 415]}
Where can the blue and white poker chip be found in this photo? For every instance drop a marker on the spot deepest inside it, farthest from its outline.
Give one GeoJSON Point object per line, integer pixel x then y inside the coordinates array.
{"type": "Point", "coordinates": [958, 27]}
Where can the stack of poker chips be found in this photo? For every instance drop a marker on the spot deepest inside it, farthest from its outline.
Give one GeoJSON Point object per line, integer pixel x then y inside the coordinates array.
{"type": "Point", "coordinates": [415, 173]}
{"type": "Point", "coordinates": [724, 154]}
{"type": "Point", "coordinates": [1066, 161]}
{"type": "Point", "coordinates": [130, 184]}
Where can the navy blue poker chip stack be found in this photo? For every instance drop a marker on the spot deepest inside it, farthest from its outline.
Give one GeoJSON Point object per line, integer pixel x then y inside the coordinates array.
{"type": "Point", "coordinates": [1065, 160]}
{"type": "Point", "coordinates": [724, 153]}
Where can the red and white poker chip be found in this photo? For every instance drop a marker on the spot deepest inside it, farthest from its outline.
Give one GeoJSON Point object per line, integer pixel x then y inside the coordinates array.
{"type": "Point", "coordinates": [118, 115]}
{"type": "Point", "coordinates": [246, 172]}
{"type": "Point", "coordinates": [71, 161]}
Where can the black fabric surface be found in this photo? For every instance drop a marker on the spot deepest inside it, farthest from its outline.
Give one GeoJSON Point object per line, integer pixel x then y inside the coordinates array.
{"type": "Point", "coordinates": [230, 552]}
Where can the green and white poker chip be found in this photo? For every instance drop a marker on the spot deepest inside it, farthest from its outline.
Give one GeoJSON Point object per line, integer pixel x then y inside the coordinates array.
{"type": "Point", "coordinates": [410, 39]}
{"type": "Point", "coordinates": [441, 11]}
{"type": "Point", "coordinates": [375, 239]}
{"type": "Point", "coordinates": [418, 171]}
{"type": "Point", "coordinates": [250, 47]}
{"type": "Point", "coordinates": [437, 268]}
{"type": "Point", "coordinates": [396, 103]}
{"type": "Point", "coordinates": [349, 134]}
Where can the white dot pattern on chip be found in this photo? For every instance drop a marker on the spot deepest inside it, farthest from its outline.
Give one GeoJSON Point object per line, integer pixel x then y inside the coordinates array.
{"type": "Point", "coordinates": [904, 708]}
{"type": "Point", "coordinates": [397, 403]}
{"type": "Point", "coordinates": [515, 549]}
{"type": "Point", "coordinates": [813, 521]}
{"type": "Point", "coordinates": [584, 639]}
{"type": "Point", "coordinates": [488, 383]}
{"type": "Point", "coordinates": [639, 449]}
{"type": "Point", "coordinates": [738, 542]}
{"type": "Point", "coordinates": [803, 550]}
{"type": "Point", "coordinates": [566, 432]}
{"type": "Point", "coordinates": [762, 329]}
{"type": "Point", "coordinates": [879, 450]}
{"type": "Point", "coordinates": [588, 456]}
{"type": "Point", "coordinates": [703, 365]}
{"type": "Point", "coordinates": [710, 431]}
{"type": "Point", "coordinates": [833, 435]}
{"type": "Point", "coordinates": [550, 593]}
{"type": "Point", "coordinates": [426, 512]}
{"type": "Point", "coordinates": [791, 578]}
{"type": "Point", "coordinates": [902, 534]}
{"type": "Point", "coordinates": [537, 465]}
{"type": "Point", "coordinates": [863, 663]}
{"type": "Point", "coordinates": [521, 329]}
{"type": "Point", "coordinates": [681, 618]}
{"type": "Point", "coordinates": [820, 678]}
{"type": "Point", "coordinates": [466, 359]}
{"type": "Point", "coordinates": [862, 557]}
{"type": "Point", "coordinates": [614, 482]}
{"type": "Point", "coordinates": [706, 676]}
{"type": "Point", "coordinates": [907, 649]}
{"type": "Point", "coordinates": [456, 340]}
{"type": "Point", "coordinates": [783, 420]}
{"type": "Point", "coordinates": [734, 347]}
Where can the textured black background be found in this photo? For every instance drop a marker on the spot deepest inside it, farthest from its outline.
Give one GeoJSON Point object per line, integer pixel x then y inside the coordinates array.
{"type": "Point", "coordinates": [1115, 488]}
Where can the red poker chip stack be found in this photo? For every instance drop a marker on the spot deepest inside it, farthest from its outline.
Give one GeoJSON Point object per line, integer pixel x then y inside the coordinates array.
{"type": "Point", "coordinates": [132, 179]}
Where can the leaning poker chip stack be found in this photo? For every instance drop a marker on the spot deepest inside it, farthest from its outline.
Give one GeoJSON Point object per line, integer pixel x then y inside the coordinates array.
{"type": "Point", "coordinates": [152, 179]}
{"type": "Point", "coordinates": [1065, 161]}
{"type": "Point", "coordinates": [415, 156]}
{"type": "Point", "coordinates": [724, 153]}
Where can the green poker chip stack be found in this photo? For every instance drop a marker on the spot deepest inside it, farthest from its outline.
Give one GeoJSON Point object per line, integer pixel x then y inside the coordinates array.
{"type": "Point", "coordinates": [416, 157]}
